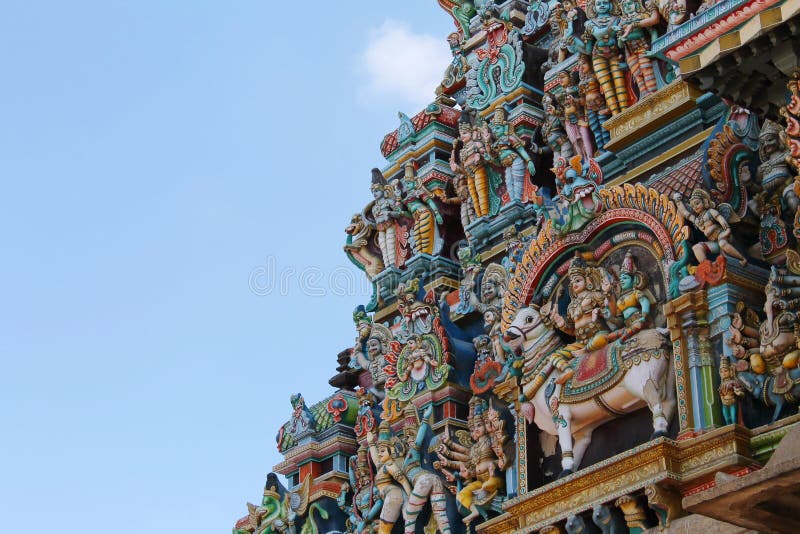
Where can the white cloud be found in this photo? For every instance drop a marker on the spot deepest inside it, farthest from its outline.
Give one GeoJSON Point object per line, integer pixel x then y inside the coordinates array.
{"type": "Point", "coordinates": [401, 66]}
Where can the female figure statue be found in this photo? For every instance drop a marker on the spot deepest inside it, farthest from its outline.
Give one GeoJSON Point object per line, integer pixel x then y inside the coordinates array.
{"type": "Point", "coordinates": [599, 40]}
{"type": "Point", "coordinates": [419, 202]}
{"type": "Point", "coordinates": [574, 116]}
{"type": "Point", "coordinates": [633, 305]}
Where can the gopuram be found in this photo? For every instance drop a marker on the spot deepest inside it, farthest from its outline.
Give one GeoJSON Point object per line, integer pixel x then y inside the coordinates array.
{"type": "Point", "coordinates": [586, 273]}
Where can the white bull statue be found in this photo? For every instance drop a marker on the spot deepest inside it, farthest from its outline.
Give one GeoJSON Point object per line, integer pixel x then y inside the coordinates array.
{"type": "Point", "coordinates": [643, 377]}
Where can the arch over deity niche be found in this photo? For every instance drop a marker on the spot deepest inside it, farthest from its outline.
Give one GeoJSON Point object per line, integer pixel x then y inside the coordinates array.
{"type": "Point", "coordinates": [632, 214]}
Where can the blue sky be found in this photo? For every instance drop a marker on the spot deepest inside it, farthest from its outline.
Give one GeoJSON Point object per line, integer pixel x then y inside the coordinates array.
{"type": "Point", "coordinates": [153, 156]}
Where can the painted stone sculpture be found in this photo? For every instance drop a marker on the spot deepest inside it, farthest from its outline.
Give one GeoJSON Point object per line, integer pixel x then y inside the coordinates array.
{"type": "Point", "coordinates": [468, 159]}
{"type": "Point", "coordinates": [769, 366]}
{"type": "Point", "coordinates": [594, 102]}
{"type": "Point", "coordinates": [477, 459]}
{"type": "Point", "coordinates": [508, 151]}
{"type": "Point", "coordinates": [457, 69]}
{"type": "Point", "coordinates": [385, 211]}
{"type": "Point", "coordinates": [419, 202]}
{"type": "Point", "coordinates": [635, 40]}
{"type": "Point", "coordinates": [578, 399]}
{"type": "Point", "coordinates": [366, 503]}
{"type": "Point", "coordinates": [358, 247]}
{"type": "Point", "coordinates": [600, 41]}
{"type": "Point", "coordinates": [574, 116]}
{"type": "Point", "coordinates": [386, 451]}
{"type": "Point", "coordinates": [577, 182]}
{"type": "Point", "coordinates": [714, 226]}
{"type": "Point", "coordinates": [553, 132]}
{"type": "Point", "coordinates": [496, 68]}
{"type": "Point", "coordinates": [730, 389]}
{"type": "Point", "coordinates": [425, 485]}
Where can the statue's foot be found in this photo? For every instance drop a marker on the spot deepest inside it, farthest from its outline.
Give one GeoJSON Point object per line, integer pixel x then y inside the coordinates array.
{"type": "Point", "coordinates": [565, 473]}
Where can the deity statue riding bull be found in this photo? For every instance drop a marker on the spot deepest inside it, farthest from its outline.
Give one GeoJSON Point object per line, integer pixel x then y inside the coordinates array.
{"type": "Point", "coordinates": [618, 363]}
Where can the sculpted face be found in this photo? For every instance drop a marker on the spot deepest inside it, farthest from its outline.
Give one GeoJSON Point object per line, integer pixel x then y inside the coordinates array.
{"type": "Point", "coordinates": [625, 281]}
{"type": "Point", "coordinates": [628, 6]}
{"type": "Point", "coordinates": [577, 282]}
{"type": "Point", "coordinates": [602, 6]}
{"type": "Point", "coordinates": [697, 205]}
{"type": "Point", "coordinates": [383, 454]}
{"type": "Point", "coordinates": [477, 429]}
{"type": "Point", "coordinates": [489, 291]}
{"type": "Point", "coordinates": [377, 192]}
{"type": "Point", "coordinates": [489, 319]}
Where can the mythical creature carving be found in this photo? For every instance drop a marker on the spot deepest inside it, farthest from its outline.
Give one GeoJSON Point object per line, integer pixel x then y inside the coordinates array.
{"type": "Point", "coordinates": [577, 182]}
{"type": "Point", "coordinates": [496, 68]}
{"type": "Point", "coordinates": [358, 247]}
{"type": "Point", "coordinates": [457, 69]}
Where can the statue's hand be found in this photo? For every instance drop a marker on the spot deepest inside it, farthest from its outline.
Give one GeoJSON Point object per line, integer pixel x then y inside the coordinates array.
{"type": "Point", "coordinates": [676, 196]}
{"type": "Point", "coordinates": [439, 219]}
{"type": "Point", "coordinates": [428, 411]}
{"type": "Point", "coordinates": [531, 168]}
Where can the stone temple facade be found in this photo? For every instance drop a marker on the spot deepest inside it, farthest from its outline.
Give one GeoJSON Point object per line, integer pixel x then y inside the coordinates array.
{"type": "Point", "coordinates": [586, 286]}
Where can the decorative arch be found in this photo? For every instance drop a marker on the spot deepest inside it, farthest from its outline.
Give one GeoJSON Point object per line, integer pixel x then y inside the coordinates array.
{"type": "Point", "coordinates": [650, 215]}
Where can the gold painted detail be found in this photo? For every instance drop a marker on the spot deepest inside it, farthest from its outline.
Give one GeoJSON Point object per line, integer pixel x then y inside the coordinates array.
{"type": "Point", "coordinates": [663, 462]}
{"type": "Point", "coordinates": [650, 113]}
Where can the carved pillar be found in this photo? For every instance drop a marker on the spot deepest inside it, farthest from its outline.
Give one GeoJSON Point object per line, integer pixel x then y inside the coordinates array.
{"type": "Point", "coordinates": [698, 402]}
{"type": "Point", "coordinates": [635, 514]}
